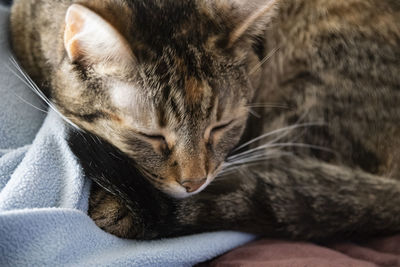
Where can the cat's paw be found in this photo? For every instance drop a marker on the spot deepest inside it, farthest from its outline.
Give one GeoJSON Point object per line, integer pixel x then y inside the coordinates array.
{"type": "Point", "coordinates": [110, 214]}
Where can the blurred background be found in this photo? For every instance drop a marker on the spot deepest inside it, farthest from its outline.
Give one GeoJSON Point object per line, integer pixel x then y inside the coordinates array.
{"type": "Point", "coordinates": [5, 2]}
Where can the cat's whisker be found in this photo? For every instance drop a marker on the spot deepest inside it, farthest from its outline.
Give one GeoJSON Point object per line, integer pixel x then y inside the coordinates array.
{"type": "Point", "coordinates": [267, 105]}
{"type": "Point", "coordinates": [285, 129]}
{"type": "Point", "coordinates": [32, 85]}
{"type": "Point", "coordinates": [260, 105]}
{"type": "Point", "coordinates": [255, 114]}
{"type": "Point", "coordinates": [254, 155]}
{"type": "Point", "coordinates": [259, 156]}
{"type": "Point", "coordinates": [265, 59]}
{"type": "Point", "coordinates": [250, 160]}
{"type": "Point", "coordinates": [280, 145]}
{"type": "Point", "coordinates": [298, 122]}
{"type": "Point", "coordinates": [258, 153]}
{"type": "Point", "coordinates": [230, 168]}
{"type": "Point", "coordinates": [30, 104]}
{"type": "Point", "coordinates": [285, 133]}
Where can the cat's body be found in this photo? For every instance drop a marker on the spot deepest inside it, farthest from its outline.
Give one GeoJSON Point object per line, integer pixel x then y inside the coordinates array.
{"type": "Point", "coordinates": [333, 69]}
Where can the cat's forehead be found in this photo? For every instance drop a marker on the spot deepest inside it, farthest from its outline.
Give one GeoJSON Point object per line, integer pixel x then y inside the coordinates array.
{"type": "Point", "coordinates": [186, 82]}
{"type": "Point", "coordinates": [157, 25]}
{"type": "Point", "coordinates": [186, 103]}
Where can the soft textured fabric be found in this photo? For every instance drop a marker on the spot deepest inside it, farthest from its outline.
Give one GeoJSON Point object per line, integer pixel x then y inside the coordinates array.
{"type": "Point", "coordinates": [44, 195]}
{"type": "Point", "coordinates": [275, 253]}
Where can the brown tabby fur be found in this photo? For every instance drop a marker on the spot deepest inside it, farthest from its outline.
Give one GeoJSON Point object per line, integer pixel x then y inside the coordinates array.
{"type": "Point", "coordinates": [335, 64]}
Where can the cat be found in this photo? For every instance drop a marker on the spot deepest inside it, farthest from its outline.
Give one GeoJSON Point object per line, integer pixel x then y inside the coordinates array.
{"type": "Point", "coordinates": [278, 118]}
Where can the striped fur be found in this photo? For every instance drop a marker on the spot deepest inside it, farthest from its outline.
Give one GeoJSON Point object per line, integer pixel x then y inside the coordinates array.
{"type": "Point", "coordinates": [308, 91]}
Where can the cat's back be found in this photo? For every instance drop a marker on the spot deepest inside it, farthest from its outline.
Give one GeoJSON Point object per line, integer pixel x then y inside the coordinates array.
{"type": "Point", "coordinates": [339, 62]}
{"type": "Point", "coordinates": [316, 30]}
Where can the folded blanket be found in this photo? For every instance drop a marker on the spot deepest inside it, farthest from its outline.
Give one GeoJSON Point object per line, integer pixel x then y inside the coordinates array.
{"type": "Point", "coordinates": [44, 195]}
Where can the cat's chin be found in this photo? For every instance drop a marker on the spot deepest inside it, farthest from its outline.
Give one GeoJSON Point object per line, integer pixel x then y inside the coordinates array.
{"type": "Point", "coordinates": [179, 192]}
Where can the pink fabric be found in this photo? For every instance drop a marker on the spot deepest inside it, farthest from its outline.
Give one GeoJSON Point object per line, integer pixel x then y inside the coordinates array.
{"type": "Point", "coordinates": [276, 253]}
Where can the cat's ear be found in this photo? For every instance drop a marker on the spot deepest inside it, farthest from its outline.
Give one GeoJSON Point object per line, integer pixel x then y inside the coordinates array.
{"type": "Point", "coordinates": [90, 39]}
{"type": "Point", "coordinates": [253, 19]}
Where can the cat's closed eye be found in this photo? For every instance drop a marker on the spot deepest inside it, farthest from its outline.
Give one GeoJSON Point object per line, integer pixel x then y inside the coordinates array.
{"type": "Point", "coordinates": [158, 140]}
{"type": "Point", "coordinates": [221, 127]}
{"type": "Point", "coordinates": [218, 130]}
{"type": "Point", "coordinates": [154, 137]}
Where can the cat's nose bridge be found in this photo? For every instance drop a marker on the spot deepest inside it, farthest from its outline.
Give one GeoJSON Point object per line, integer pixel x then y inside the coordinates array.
{"type": "Point", "coordinates": [193, 170]}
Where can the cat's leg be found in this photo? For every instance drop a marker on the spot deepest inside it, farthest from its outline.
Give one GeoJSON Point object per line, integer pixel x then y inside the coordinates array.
{"type": "Point", "coordinates": [297, 198]}
{"type": "Point", "coordinates": [289, 197]}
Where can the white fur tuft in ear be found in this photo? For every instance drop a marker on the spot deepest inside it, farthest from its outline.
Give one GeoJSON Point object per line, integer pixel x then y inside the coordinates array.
{"type": "Point", "coordinates": [251, 20]}
{"type": "Point", "coordinates": [90, 38]}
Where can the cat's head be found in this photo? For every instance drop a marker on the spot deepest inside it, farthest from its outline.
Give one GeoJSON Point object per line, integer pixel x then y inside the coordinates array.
{"type": "Point", "coordinates": [167, 82]}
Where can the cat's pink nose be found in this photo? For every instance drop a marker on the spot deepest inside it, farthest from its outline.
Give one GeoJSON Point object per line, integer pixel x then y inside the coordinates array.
{"type": "Point", "coordinates": [191, 185]}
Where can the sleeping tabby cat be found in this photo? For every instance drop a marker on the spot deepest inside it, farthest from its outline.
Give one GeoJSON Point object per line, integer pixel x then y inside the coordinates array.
{"type": "Point", "coordinates": [290, 106]}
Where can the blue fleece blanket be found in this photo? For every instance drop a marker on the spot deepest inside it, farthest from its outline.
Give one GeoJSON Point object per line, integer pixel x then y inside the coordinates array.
{"type": "Point", "coordinates": [44, 195]}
